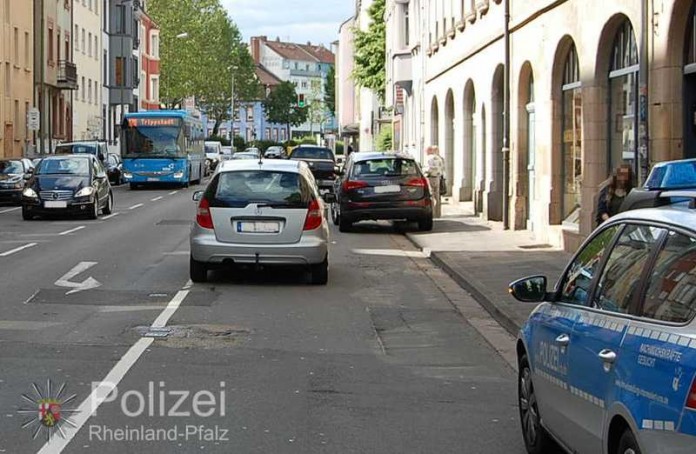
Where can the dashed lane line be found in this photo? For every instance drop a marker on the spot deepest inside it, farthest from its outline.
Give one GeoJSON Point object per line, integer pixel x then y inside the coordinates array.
{"type": "Point", "coordinates": [156, 199]}
{"type": "Point", "coordinates": [173, 192]}
{"type": "Point", "coordinates": [112, 215]}
{"type": "Point", "coordinates": [68, 232]}
{"type": "Point", "coordinates": [17, 249]}
{"type": "Point", "coordinates": [135, 206]}
{"type": "Point", "coordinates": [10, 209]}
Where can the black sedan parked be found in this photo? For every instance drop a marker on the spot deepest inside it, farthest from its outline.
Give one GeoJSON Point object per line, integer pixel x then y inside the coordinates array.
{"type": "Point", "coordinates": [13, 173]}
{"type": "Point", "coordinates": [382, 186]}
{"type": "Point", "coordinates": [321, 162]}
{"type": "Point", "coordinates": [68, 184]}
{"type": "Point", "coordinates": [114, 169]}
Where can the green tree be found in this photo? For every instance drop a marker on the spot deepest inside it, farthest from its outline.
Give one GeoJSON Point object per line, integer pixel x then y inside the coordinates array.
{"type": "Point", "coordinates": [281, 106]}
{"type": "Point", "coordinates": [370, 51]}
{"type": "Point", "coordinates": [385, 139]}
{"type": "Point", "coordinates": [330, 91]}
{"type": "Point", "coordinates": [203, 62]}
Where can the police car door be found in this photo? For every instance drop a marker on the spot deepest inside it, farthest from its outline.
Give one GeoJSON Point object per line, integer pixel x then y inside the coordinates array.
{"type": "Point", "coordinates": [553, 324]}
{"type": "Point", "coordinates": [659, 352]}
{"type": "Point", "coordinates": [599, 331]}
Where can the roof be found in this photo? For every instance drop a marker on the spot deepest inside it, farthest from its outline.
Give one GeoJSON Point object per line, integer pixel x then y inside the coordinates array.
{"type": "Point", "coordinates": [365, 155]}
{"type": "Point", "coordinates": [266, 77]}
{"type": "Point", "coordinates": [265, 164]}
{"type": "Point", "coordinates": [677, 215]}
{"type": "Point", "coordinates": [302, 52]}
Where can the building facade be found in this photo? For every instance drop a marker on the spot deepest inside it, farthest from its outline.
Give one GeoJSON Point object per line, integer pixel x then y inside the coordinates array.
{"type": "Point", "coordinates": [306, 66]}
{"type": "Point", "coordinates": [87, 41]}
{"type": "Point", "coordinates": [149, 60]}
{"type": "Point", "coordinates": [604, 84]}
{"type": "Point", "coordinates": [55, 72]}
{"type": "Point", "coordinates": [346, 92]}
{"type": "Point", "coordinates": [16, 76]}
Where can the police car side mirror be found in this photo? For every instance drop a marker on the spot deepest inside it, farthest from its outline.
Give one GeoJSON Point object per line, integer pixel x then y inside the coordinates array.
{"type": "Point", "coordinates": [529, 289]}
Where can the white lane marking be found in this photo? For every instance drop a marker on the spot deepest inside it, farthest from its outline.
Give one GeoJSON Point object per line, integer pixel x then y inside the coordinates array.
{"type": "Point", "coordinates": [135, 206]}
{"type": "Point", "coordinates": [156, 199]}
{"type": "Point", "coordinates": [17, 249]}
{"type": "Point", "coordinates": [173, 192]}
{"type": "Point", "coordinates": [10, 209]}
{"type": "Point", "coordinates": [87, 284]}
{"type": "Point", "coordinates": [67, 232]}
{"type": "Point", "coordinates": [112, 215]}
{"type": "Point", "coordinates": [173, 305]}
{"type": "Point", "coordinates": [90, 405]}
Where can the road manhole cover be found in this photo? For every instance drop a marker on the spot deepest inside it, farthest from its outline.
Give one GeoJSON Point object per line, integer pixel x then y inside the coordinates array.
{"type": "Point", "coordinates": [197, 336]}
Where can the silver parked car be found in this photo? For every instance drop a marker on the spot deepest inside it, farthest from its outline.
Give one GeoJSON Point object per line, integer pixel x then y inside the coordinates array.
{"type": "Point", "coordinates": [260, 213]}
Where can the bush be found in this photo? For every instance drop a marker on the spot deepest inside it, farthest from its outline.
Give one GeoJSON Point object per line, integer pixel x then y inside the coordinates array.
{"type": "Point", "coordinates": [384, 140]}
{"type": "Point", "coordinates": [239, 143]}
{"type": "Point", "coordinates": [225, 142]}
{"type": "Point", "coordinates": [339, 147]}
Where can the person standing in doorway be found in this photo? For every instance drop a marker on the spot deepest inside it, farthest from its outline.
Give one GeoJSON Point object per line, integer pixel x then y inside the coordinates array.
{"type": "Point", "coordinates": [434, 170]}
{"type": "Point", "coordinates": [613, 195]}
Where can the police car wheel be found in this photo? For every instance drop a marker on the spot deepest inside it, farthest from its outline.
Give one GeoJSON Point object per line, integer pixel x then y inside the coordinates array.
{"type": "Point", "coordinates": [536, 439]}
{"type": "Point", "coordinates": [628, 443]}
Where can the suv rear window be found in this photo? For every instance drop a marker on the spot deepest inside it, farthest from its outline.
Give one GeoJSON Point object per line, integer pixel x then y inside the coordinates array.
{"type": "Point", "coordinates": [272, 188]}
{"type": "Point", "coordinates": [386, 167]}
{"type": "Point", "coordinates": [312, 153]}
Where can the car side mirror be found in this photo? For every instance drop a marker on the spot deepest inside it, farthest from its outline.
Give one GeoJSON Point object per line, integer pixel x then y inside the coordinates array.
{"type": "Point", "coordinates": [329, 197]}
{"type": "Point", "coordinates": [28, 175]}
{"type": "Point", "coordinates": [529, 289]}
{"type": "Point", "coordinates": [338, 170]}
{"type": "Point", "coordinates": [197, 196]}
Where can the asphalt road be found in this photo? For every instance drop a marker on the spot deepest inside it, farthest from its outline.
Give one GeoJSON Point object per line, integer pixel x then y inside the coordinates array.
{"type": "Point", "coordinates": [255, 362]}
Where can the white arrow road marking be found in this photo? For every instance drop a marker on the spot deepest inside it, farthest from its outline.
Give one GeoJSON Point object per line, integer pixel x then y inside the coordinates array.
{"type": "Point", "coordinates": [17, 249]}
{"type": "Point", "coordinates": [87, 284]}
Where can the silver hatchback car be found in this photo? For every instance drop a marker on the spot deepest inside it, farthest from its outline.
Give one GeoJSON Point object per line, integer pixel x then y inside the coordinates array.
{"type": "Point", "coordinates": [263, 213]}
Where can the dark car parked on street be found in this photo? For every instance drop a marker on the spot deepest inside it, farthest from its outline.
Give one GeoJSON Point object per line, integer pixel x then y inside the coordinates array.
{"type": "Point", "coordinates": [96, 148]}
{"type": "Point", "coordinates": [382, 186]}
{"type": "Point", "coordinates": [13, 173]}
{"type": "Point", "coordinates": [321, 162]}
{"type": "Point", "coordinates": [114, 169]}
{"type": "Point", "coordinates": [68, 184]}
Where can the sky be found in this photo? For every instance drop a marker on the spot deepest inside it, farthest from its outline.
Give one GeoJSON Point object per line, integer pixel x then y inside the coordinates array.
{"type": "Point", "coordinates": [298, 21]}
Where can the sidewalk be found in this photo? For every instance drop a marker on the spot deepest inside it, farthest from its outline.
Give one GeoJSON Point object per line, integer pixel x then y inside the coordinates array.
{"type": "Point", "coordinates": [483, 259]}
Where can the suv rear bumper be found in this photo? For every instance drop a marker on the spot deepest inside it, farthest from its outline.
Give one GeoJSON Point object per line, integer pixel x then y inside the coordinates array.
{"type": "Point", "coordinates": [311, 249]}
{"type": "Point", "coordinates": [414, 213]}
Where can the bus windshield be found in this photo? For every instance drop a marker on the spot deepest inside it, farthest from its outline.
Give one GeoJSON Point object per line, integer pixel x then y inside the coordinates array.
{"type": "Point", "coordinates": [153, 138]}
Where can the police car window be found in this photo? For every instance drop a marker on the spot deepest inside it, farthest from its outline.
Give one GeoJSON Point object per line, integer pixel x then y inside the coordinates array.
{"type": "Point", "coordinates": [575, 286]}
{"type": "Point", "coordinates": [621, 278]}
{"type": "Point", "coordinates": [671, 294]}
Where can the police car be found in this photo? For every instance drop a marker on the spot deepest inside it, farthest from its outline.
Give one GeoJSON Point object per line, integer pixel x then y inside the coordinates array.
{"type": "Point", "coordinates": [607, 361]}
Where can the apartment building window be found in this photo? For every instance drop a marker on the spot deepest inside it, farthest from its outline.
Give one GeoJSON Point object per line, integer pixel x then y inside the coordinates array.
{"type": "Point", "coordinates": [51, 44]}
{"type": "Point", "coordinates": [154, 89]}
{"type": "Point", "coordinates": [16, 116]}
{"type": "Point", "coordinates": [8, 80]}
{"type": "Point", "coordinates": [250, 114]}
{"type": "Point", "coordinates": [89, 45]}
{"type": "Point", "coordinates": [7, 11]}
{"type": "Point", "coordinates": [16, 46]}
{"type": "Point", "coordinates": [267, 134]}
{"type": "Point", "coordinates": [58, 45]}
{"type": "Point", "coordinates": [120, 18]}
{"type": "Point", "coordinates": [26, 123]}
{"type": "Point", "coordinates": [105, 69]}
{"type": "Point", "coordinates": [83, 88]}
{"type": "Point", "coordinates": [27, 52]}
{"type": "Point", "coordinates": [77, 41]}
{"type": "Point", "coordinates": [96, 47]}
{"type": "Point", "coordinates": [406, 26]}
{"type": "Point", "coordinates": [154, 47]}
{"type": "Point", "coordinates": [83, 41]}
{"type": "Point", "coordinates": [90, 5]}
{"type": "Point", "coordinates": [67, 47]}
{"type": "Point", "coordinates": [120, 70]}
{"type": "Point", "coordinates": [89, 93]}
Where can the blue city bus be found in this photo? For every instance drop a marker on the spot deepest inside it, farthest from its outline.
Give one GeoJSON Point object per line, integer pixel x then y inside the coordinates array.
{"type": "Point", "coordinates": [163, 146]}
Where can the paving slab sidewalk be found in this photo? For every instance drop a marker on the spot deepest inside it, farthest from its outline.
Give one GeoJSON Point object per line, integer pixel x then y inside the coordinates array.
{"type": "Point", "coordinates": [483, 259]}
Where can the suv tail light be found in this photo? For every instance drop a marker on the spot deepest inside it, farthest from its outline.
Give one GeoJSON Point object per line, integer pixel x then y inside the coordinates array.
{"type": "Point", "coordinates": [203, 217]}
{"type": "Point", "coordinates": [691, 398]}
{"type": "Point", "coordinates": [419, 182]}
{"type": "Point", "coordinates": [314, 216]}
{"type": "Point", "coordinates": [351, 185]}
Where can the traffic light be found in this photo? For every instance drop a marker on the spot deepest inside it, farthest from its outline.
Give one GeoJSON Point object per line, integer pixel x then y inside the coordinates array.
{"type": "Point", "coordinates": [300, 100]}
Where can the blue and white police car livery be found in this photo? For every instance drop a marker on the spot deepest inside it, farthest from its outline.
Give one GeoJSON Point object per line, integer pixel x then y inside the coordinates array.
{"type": "Point", "coordinates": [608, 359]}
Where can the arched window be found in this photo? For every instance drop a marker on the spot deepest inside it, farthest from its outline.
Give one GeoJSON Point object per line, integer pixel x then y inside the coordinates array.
{"type": "Point", "coordinates": [571, 125]}
{"type": "Point", "coordinates": [623, 98]}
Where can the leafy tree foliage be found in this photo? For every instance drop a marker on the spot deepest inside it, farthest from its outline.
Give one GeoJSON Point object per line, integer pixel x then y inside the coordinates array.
{"type": "Point", "coordinates": [370, 51]}
{"type": "Point", "coordinates": [203, 63]}
{"type": "Point", "coordinates": [281, 106]}
{"type": "Point", "coordinates": [330, 91]}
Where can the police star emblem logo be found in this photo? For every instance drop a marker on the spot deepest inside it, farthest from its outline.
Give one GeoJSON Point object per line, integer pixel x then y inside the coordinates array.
{"type": "Point", "coordinates": [49, 412]}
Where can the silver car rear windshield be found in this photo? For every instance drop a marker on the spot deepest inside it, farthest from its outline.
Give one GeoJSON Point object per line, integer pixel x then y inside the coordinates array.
{"type": "Point", "coordinates": [268, 188]}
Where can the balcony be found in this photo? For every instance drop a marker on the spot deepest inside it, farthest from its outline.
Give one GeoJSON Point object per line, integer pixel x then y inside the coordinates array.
{"type": "Point", "coordinates": [403, 70]}
{"type": "Point", "coordinates": [67, 75]}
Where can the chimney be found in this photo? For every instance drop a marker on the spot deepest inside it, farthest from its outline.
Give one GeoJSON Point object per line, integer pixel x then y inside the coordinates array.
{"type": "Point", "coordinates": [256, 48]}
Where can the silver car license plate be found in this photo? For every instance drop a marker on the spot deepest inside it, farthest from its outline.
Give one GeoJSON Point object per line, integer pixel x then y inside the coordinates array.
{"type": "Point", "coordinates": [258, 227]}
{"type": "Point", "coordinates": [55, 204]}
{"type": "Point", "coordinates": [387, 189]}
